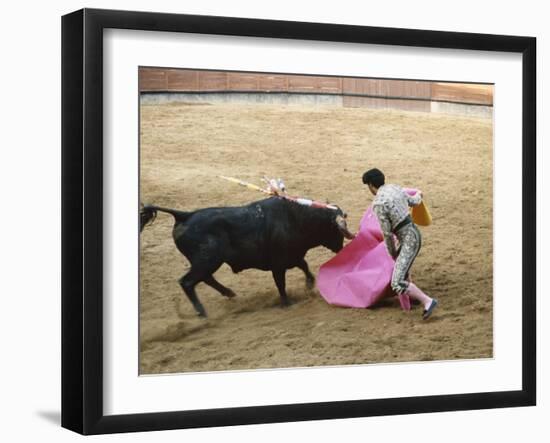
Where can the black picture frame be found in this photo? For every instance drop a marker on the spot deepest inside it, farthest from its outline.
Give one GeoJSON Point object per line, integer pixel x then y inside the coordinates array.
{"type": "Point", "coordinates": [82, 215]}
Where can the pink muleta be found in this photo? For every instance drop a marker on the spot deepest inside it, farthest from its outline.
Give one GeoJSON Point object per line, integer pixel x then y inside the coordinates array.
{"type": "Point", "coordinates": [360, 274]}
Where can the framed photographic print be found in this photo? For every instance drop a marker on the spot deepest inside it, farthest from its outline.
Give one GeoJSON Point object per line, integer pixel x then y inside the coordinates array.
{"type": "Point", "coordinates": [269, 221]}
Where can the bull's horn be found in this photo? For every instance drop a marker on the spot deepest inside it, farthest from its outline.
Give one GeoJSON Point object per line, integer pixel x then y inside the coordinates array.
{"type": "Point", "coordinates": [342, 225]}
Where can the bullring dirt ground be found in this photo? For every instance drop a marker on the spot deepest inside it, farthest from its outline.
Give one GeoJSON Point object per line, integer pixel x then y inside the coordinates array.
{"type": "Point", "coordinates": [321, 152]}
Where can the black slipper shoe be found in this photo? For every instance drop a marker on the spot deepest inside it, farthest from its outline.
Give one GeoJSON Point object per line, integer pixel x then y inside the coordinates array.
{"type": "Point", "coordinates": [427, 312]}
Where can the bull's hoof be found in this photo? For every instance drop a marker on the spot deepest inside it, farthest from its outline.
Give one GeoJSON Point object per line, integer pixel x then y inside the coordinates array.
{"type": "Point", "coordinates": [229, 294]}
{"type": "Point", "coordinates": [201, 313]}
{"type": "Point", "coordinates": [310, 283]}
{"type": "Point", "coordinates": [285, 303]}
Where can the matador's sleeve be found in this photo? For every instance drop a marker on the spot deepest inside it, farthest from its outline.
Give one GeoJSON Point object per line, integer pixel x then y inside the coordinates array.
{"type": "Point", "coordinates": [385, 225]}
{"type": "Point", "coordinates": [415, 199]}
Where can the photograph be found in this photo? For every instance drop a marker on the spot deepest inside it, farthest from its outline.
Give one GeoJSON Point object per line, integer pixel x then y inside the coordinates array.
{"type": "Point", "coordinates": [295, 220]}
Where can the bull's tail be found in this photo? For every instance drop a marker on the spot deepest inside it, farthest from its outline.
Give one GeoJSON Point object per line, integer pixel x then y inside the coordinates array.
{"type": "Point", "coordinates": [148, 213]}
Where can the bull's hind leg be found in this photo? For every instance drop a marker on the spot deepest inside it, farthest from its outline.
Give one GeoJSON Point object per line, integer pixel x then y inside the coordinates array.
{"type": "Point", "coordinates": [188, 283]}
{"type": "Point", "coordinates": [279, 275]}
{"type": "Point", "coordinates": [310, 279]}
{"type": "Point", "coordinates": [215, 284]}
{"type": "Point", "coordinates": [201, 270]}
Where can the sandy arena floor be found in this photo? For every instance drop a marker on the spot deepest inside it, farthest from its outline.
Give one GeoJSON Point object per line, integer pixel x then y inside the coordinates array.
{"type": "Point", "coordinates": [321, 153]}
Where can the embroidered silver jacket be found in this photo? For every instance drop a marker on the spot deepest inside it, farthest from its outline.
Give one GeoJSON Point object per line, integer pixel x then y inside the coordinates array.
{"type": "Point", "coordinates": [391, 205]}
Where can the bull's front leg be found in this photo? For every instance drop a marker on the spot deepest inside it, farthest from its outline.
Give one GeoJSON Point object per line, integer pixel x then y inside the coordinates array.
{"type": "Point", "coordinates": [310, 279]}
{"type": "Point", "coordinates": [279, 275]}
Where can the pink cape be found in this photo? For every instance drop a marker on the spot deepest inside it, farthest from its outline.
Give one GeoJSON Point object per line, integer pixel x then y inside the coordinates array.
{"type": "Point", "coordinates": [360, 274]}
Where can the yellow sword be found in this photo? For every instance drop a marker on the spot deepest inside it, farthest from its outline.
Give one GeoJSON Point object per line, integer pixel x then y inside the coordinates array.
{"type": "Point", "coordinates": [301, 201]}
{"type": "Point", "coordinates": [245, 184]}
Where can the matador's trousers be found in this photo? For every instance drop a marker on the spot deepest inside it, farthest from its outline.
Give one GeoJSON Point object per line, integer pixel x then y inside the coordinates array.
{"type": "Point", "coordinates": [410, 241]}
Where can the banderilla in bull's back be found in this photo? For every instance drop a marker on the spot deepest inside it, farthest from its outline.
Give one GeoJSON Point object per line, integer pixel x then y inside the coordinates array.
{"type": "Point", "coordinates": [277, 188]}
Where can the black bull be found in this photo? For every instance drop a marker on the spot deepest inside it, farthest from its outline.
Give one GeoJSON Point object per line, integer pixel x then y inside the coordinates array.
{"type": "Point", "coordinates": [272, 235]}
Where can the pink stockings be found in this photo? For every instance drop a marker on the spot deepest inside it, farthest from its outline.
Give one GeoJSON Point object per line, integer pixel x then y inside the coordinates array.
{"type": "Point", "coordinates": [414, 292]}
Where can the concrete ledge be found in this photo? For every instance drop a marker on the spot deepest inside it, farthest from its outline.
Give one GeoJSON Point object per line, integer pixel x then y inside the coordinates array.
{"type": "Point", "coordinates": [316, 100]}
{"type": "Point", "coordinates": [461, 109]}
{"type": "Point", "coordinates": [242, 97]}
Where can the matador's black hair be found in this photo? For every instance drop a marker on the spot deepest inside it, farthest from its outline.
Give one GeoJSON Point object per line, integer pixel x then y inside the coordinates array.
{"type": "Point", "coordinates": [374, 177]}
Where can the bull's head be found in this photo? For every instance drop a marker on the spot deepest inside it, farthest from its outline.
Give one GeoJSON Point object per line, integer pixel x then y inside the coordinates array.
{"type": "Point", "coordinates": [336, 242]}
{"type": "Point", "coordinates": [343, 226]}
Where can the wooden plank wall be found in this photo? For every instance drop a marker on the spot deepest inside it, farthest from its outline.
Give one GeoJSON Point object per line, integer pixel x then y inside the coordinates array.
{"type": "Point", "coordinates": [357, 92]}
{"type": "Point", "coordinates": [360, 92]}
{"type": "Point", "coordinates": [467, 93]}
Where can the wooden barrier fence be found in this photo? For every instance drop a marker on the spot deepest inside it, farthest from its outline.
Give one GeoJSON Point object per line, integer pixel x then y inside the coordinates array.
{"type": "Point", "coordinates": [411, 94]}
